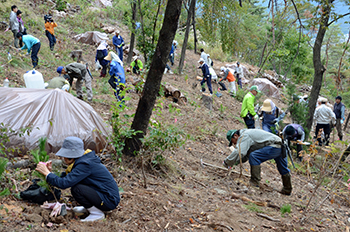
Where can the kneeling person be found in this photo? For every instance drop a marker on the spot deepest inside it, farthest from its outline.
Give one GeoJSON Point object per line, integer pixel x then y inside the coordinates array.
{"type": "Point", "coordinates": [92, 185]}
{"type": "Point", "coordinates": [258, 146]}
{"type": "Point", "coordinates": [295, 132]}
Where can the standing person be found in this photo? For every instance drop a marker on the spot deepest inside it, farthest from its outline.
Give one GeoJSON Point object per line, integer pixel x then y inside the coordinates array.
{"type": "Point", "coordinates": [118, 42]}
{"type": "Point", "coordinates": [80, 72]}
{"type": "Point", "coordinates": [204, 56]}
{"type": "Point", "coordinates": [31, 44]}
{"type": "Point", "coordinates": [117, 79]}
{"type": "Point", "coordinates": [206, 76]}
{"type": "Point", "coordinates": [172, 54]}
{"type": "Point", "coordinates": [295, 132]}
{"type": "Point", "coordinates": [239, 74]}
{"type": "Point", "coordinates": [339, 110]}
{"type": "Point", "coordinates": [21, 27]}
{"type": "Point", "coordinates": [50, 30]}
{"type": "Point", "coordinates": [258, 146]}
{"type": "Point", "coordinates": [272, 115]}
{"type": "Point", "coordinates": [101, 53]}
{"type": "Point", "coordinates": [247, 112]}
{"type": "Point", "coordinates": [92, 185]}
{"type": "Point", "coordinates": [136, 65]}
{"type": "Point", "coordinates": [231, 80]}
{"type": "Point", "coordinates": [14, 25]}
{"type": "Point", "coordinates": [323, 116]}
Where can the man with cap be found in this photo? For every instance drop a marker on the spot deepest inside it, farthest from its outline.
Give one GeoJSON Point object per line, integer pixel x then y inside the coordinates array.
{"type": "Point", "coordinates": [339, 110]}
{"type": "Point", "coordinates": [239, 74]}
{"type": "Point", "coordinates": [272, 115]}
{"type": "Point", "coordinates": [227, 75]}
{"type": "Point", "coordinates": [118, 42]}
{"type": "Point", "coordinates": [323, 116]}
{"type": "Point", "coordinates": [258, 146]}
{"type": "Point", "coordinates": [247, 112]}
{"type": "Point", "coordinates": [92, 185]}
{"type": "Point", "coordinates": [206, 75]}
{"type": "Point", "coordinates": [80, 72]}
{"type": "Point", "coordinates": [295, 132]}
{"type": "Point", "coordinates": [136, 65]}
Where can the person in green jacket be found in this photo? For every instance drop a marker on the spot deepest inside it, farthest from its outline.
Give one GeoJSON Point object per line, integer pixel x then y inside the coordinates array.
{"type": "Point", "coordinates": [136, 65]}
{"type": "Point", "coordinates": [59, 83]}
{"type": "Point", "coordinates": [247, 112]}
{"type": "Point", "coordinates": [31, 44]}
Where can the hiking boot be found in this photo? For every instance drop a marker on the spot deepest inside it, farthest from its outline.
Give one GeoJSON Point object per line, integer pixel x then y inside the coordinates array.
{"type": "Point", "coordinates": [341, 138]}
{"type": "Point", "coordinates": [287, 184]}
{"type": "Point", "coordinates": [255, 172]}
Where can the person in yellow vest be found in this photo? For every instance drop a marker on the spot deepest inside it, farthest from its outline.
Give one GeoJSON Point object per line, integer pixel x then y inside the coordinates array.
{"type": "Point", "coordinates": [136, 65]}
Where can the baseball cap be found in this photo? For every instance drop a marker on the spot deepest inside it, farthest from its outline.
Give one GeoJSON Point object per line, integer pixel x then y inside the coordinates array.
{"type": "Point", "coordinates": [229, 136]}
{"type": "Point", "coordinates": [254, 87]}
{"type": "Point", "coordinates": [201, 60]}
{"type": "Point", "coordinates": [59, 69]}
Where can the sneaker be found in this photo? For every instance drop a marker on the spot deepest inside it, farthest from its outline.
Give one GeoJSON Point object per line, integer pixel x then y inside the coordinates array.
{"type": "Point", "coordinates": [95, 215]}
{"type": "Point", "coordinates": [165, 70]}
{"type": "Point", "coordinates": [171, 72]}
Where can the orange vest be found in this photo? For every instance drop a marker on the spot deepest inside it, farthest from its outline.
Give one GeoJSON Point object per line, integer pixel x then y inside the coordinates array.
{"type": "Point", "coordinates": [50, 27]}
{"type": "Point", "coordinates": [230, 77]}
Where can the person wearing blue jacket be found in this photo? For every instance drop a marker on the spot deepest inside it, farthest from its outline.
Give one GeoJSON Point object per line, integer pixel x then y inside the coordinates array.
{"type": "Point", "coordinates": [31, 44]}
{"type": "Point", "coordinates": [206, 75]}
{"type": "Point", "coordinates": [92, 185]}
{"type": "Point", "coordinates": [117, 80]}
{"type": "Point", "coordinates": [101, 53]}
{"type": "Point", "coordinates": [118, 42]}
{"type": "Point", "coordinates": [272, 115]}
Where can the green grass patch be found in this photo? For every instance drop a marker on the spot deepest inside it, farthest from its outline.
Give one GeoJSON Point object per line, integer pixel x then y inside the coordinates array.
{"type": "Point", "coordinates": [254, 208]}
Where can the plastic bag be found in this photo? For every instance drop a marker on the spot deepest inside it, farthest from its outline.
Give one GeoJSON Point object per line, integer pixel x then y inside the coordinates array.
{"type": "Point", "coordinates": [37, 194]}
{"type": "Point", "coordinates": [97, 65]}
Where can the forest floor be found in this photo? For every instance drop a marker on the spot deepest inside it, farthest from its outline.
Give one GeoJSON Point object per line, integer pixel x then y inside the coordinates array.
{"type": "Point", "coordinates": [187, 195]}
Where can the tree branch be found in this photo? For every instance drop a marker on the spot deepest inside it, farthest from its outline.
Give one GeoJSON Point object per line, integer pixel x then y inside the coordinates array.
{"type": "Point", "coordinates": [342, 16]}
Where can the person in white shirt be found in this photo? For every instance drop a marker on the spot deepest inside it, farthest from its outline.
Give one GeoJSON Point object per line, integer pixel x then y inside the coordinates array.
{"type": "Point", "coordinates": [323, 116]}
{"type": "Point", "coordinates": [204, 56]}
{"type": "Point", "coordinates": [239, 74]}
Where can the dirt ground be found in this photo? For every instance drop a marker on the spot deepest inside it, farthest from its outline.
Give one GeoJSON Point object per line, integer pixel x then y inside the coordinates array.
{"type": "Point", "coordinates": [192, 196]}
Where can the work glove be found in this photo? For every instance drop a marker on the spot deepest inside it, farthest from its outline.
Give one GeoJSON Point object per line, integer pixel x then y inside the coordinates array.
{"type": "Point", "coordinates": [256, 117]}
{"type": "Point", "coordinates": [225, 165]}
{"type": "Point", "coordinates": [277, 126]}
{"type": "Point", "coordinates": [27, 54]}
{"type": "Point", "coordinates": [341, 121]}
{"type": "Point", "coordinates": [299, 142]}
{"type": "Point", "coordinates": [275, 121]}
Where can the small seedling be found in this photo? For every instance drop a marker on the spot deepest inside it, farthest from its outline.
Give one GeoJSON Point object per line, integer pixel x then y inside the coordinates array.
{"type": "Point", "coordinates": [286, 209]}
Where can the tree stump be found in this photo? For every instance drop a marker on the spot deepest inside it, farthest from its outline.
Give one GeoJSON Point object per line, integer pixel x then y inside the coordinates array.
{"type": "Point", "coordinates": [207, 101]}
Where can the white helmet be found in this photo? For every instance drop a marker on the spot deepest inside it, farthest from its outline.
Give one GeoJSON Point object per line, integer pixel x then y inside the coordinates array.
{"type": "Point", "coordinates": [222, 68]}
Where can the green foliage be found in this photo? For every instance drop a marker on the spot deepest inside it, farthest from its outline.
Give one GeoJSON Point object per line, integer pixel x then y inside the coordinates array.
{"type": "Point", "coordinates": [121, 123]}
{"type": "Point", "coordinates": [61, 5]}
{"type": "Point", "coordinates": [40, 155]}
{"type": "Point", "coordinates": [3, 163]}
{"type": "Point", "coordinates": [161, 139]}
{"type": "Point", "coordinates": [286, 208]}
{"type": "Point", "coordinates": [254, 208]}
{"type": "Point", "coordinates": [240, 93]}
{"type": "Point", "coordinates": [5, 192]}
{"type": "Point", "coordinates": [6, 133]}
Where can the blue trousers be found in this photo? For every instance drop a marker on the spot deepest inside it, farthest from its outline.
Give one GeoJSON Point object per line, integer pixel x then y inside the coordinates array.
{"type": "Point", "coordinates": [52, 39]}
{"type": "Point", "coordinates": [258, 157]}
{"type": "Point", "coordinates": [208, 80]}
{"type": "Point", "coordinates": [120, 52]}
{"type": "Point", "coordinates": [269, 128]}
{"type": "Point", "coordinates": [34, 55]}
{"type": "Point", "coordinates": [249, 121]}
{"type": "Point", "coordinates": [239, 81]}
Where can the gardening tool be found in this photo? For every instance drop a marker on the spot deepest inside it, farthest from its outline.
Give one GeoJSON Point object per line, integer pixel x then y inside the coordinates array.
{"type": "Point", "coordinates": [301, 143]}
{"type": "Point", "coordinates": [289, 153]}
{"type": "Point", "coordinates": [217, 92]}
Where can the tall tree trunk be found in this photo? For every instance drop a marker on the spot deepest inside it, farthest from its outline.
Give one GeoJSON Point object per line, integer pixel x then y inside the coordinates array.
{"type": "Point", "coordinates": [339, 87]}
{"type": "Point", "coordinates": [327, 56]}
{"type": "Point", "coordinates": [132, 38]}
{"type": "Point", "coordinates": [194, 29]}
{"type": "Point", "coordinates": [273, 33]}
{"type": "Point", "coordinates": [143, 32]}
{"type": "Point", "coordinates": [188, 27]}
{"type": "Point", "coordinates": [154, 76]}
{"type": "Point", "coordinates": [155, 21]}
{"type": "Point", "coordinates": [319, 69]}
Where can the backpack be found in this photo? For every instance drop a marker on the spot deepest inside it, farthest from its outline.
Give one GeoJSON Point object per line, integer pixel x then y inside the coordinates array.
{"type": "Point", "coordinates": [100, 55]}
{"type": "Point", "coordinates": [38, 194]}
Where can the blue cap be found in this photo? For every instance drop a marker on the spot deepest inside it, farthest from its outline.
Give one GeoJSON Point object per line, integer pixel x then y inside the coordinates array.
{"type": "Point", "coordinates": [59, 69]}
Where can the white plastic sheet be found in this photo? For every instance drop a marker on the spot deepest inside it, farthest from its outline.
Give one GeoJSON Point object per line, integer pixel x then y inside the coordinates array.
{"type": "Point", "coordinates": [267, 87]}
{"type": "Point", "coordinates": [52, 113]}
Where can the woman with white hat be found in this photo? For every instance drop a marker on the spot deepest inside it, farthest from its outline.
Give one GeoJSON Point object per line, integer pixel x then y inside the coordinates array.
{"type": "Point", "coordinates": [92, 185]}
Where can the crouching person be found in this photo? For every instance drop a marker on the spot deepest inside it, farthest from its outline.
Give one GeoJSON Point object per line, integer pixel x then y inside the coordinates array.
{"type": "Point", "coordinates": [258, 146]}
{"type": "Point", "coordinates": [92, 185]}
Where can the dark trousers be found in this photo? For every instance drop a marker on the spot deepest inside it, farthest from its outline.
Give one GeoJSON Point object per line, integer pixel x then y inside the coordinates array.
{"type": "Point", "coordinates": [136, 70]}
{"type": "Point", "coordinates": [171, 58]}
{"type": "Point", "coordinates": [327, 131]}
{"type": "Point", "coordinates": [34, 55]}
{"type": "Point", "coordinates": [249, 121]}
{"type": "Point", "coordinates": [52, 39]}
{"type": "Point", "coordinates": [208, 80]}
{"type": "Point", "coordinates": [87, 196]}
{"type": "Point", "coordinates": [239, 81]}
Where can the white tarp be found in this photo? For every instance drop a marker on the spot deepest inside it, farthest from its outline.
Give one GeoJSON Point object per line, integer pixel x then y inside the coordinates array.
{"type": "Point", "coordinates": [267, 87]}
